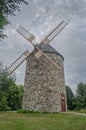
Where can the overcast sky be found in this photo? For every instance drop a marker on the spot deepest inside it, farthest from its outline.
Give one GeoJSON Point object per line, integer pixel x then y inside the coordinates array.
{"type": "Point", "coordinates": [38, 17]}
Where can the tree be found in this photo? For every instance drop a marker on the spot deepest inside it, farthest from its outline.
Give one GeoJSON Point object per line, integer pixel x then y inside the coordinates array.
{"type": "Point", "coordinates": [5, 80]}
{"type": "Point", "coordinates": [10, 93]}
{"type": "Point", "coordinates": [8, 7]}
{"type": "Point", "coordinates": [5, 83]}
{"type": "Point", "coordinates": [70, 98]}
{"type": "Point", "coordinates": [81, 96]}
{"type": "Point", "coordinates": [15, 97]}
{"type": "Point", "coordinates": [3, 101]}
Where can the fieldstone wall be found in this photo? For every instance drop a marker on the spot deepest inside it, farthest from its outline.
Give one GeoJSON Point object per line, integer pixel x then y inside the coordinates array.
{"type": "Point", "coordinates": [43, 87]}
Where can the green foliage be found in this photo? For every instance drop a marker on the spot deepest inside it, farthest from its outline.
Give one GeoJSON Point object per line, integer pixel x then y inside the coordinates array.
{"type": "Point", "coordinates": [81, 96]}
{"type": "Point", "coordinates": [6, 81]}
{"type": "Point", "coordinates": [15, 97]}
{"type": "Point", "coordinates": [70, 98]}
{"type": "Point", "coordinates": [10, 93]}
{"type": "Point", "coordinates": [8, 7]}
{"type": "Point", "coordinates": [29, 111]}
{"type": "Point", "coordinates": [77, 102]}
{"type": "Point", "coordinates": [3, 101]}
{"type": "Point", "coordinates": [3, 22]}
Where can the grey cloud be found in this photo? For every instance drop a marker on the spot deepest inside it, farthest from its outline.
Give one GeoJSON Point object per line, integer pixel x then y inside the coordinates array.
{"type": "Point", "coordinates": [62, 7]}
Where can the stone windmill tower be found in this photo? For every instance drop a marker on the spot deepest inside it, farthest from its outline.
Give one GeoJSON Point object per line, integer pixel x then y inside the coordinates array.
{"type": "Point", "coordinates": [44, 89]}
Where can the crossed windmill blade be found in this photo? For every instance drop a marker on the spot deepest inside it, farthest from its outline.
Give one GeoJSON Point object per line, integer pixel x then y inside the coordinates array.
{"type": "Point", "coordinates": [39, 54]}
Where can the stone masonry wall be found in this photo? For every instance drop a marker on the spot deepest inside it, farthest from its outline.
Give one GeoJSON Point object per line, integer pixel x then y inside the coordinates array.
{"type": "Point", "coordinates": [42, 87]}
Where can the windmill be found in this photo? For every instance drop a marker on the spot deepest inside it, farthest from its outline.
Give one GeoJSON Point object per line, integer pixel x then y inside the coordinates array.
{"type": "Point", "coordinates": [51, 68]}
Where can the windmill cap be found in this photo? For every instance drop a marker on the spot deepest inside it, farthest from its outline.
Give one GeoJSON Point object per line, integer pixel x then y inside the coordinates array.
{"type": "Point", "coordinates": [50, 49]}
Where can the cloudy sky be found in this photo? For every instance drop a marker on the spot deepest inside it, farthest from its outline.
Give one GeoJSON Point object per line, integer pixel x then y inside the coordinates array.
{"type": "Point", "coordinates": [40, 16]}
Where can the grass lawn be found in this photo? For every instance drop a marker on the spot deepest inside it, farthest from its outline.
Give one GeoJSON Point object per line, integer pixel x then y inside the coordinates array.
{"type": "Point", "coordinates": [34, 121]}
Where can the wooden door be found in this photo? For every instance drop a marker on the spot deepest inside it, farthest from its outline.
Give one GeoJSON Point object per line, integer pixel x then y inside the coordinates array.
{"type": "Point", "coordinates": [63, 103]}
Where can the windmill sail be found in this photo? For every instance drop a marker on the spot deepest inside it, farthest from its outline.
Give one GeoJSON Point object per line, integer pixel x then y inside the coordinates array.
{"type": "Point", "coordinates": [27, 35]}
{"type": "Point", "coordinates": [48, 62]}
{"type": "Point", "coordinates": [54, 32]}
{"type": "Point", "coordinates": [18, 62]}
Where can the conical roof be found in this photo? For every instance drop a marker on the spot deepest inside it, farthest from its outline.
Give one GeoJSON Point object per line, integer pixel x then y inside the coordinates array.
{"type": "Point", "coordinates": [50, 49]}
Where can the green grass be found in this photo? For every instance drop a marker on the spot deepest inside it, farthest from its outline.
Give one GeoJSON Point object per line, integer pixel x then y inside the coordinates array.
{"type": "Point", "coordinates": [41, 121]}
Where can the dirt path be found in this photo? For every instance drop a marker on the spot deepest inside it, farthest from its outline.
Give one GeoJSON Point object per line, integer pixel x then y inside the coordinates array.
{"type": "Point", "coordinates": [83, 114]}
